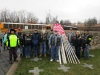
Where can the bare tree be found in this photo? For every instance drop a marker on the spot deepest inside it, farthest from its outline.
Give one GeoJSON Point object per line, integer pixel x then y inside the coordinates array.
{"type": "Point", "coordinates": [79, 22]}
{"type": "Point", "coordinates": [67, 22]}
{"type": "Point", "coordinates": [13, 17]}
{"type": "Point", "coordinates": [50, 19]}
{"type": "Point", "coordinates": [62, 22]}
{"type": "Point", "coordinates": [21, 16]}
{"type": "Point", "coordinates": [17, 17]}
{"type": "Point", "coordinates": [54, 20]}
{"type": "Point", "coordinates": [31, 18]}
{"type": "Point", "coordinates": [91, 22]}
{"type": "Point", "coordinates": [4, 15]}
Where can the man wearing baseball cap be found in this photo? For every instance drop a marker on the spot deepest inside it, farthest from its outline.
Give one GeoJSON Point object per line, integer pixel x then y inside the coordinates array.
{"type": "Point", "coordinates": [55, 42]}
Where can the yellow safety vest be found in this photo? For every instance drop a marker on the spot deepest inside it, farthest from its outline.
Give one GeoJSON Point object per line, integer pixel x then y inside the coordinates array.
{"type": "Point", "coordinates": [12, 40]}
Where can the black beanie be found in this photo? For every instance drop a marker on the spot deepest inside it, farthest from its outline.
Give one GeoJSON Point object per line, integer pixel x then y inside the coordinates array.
{"type": "Point", "coordinates": [12, 30]}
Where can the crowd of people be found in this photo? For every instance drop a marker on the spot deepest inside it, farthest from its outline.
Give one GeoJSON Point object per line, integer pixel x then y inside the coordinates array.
{"type": "Point", "coordinates": [43, 43]}
{"type": "Point", "coordinates": [80, 42]}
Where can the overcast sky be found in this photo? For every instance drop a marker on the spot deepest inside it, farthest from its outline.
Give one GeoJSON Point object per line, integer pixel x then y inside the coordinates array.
{"type": "Point", "coordinates": [73, 10]}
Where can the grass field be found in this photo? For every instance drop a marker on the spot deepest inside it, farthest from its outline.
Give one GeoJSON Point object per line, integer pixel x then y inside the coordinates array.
{"type": "Point", "coordinates": [50, 68]}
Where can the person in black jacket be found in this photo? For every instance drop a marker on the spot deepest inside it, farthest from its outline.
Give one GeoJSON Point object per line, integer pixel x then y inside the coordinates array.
{"type": "Point", "coordinates": [87, 38]}
{"type": "Point", "coordinates": [20, 36]}
{"type": "Point", "coordinates": [27, 45]}
{"type": "Point", "coordinates": [83, 43]}
{"type": "Point", "coordinates": [43, 40]}
{"type": "Point", "coordinates": [77, 42]}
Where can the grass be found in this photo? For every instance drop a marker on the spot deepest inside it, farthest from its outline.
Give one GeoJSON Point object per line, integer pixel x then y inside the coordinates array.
{"type": "Point", "coordinates": [50, 68]}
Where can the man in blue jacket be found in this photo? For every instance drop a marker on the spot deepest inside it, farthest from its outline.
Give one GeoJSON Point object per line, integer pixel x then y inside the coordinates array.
{"type": "Point", "coordinates": [35, 41]}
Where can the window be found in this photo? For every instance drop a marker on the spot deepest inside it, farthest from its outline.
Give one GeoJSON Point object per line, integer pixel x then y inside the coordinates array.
{"type": "Point", "coordinates": [40, 26]}
{"type": "Point", "coordinates": [29, 26]}
{"type": "Point", "coordinates": [21, 26]}
{"type": "Point", "coordinates": [32, 26]}
{"type": "Point", "coordinates": [14, 25]}
{"type": "Point", "coordinates": [36, 26]}
{"type": "Point", "coordinates": [26, 27]}
{"type": "Point", "coordinates": [5, 25]}
{"type": "Point", "coordinates": [17, 25]}
{"type": "Point", "coordinates": [10, 26]}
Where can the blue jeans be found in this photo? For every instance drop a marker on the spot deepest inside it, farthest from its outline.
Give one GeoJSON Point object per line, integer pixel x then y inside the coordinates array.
{"type": "Point", "coordinates": [87, 51]}
{"type": "Point", "coordinates": [43, 48]}
{"type": "Point", "coordinates": [71, 44]}
{"type": "Point", "coordinates": [21, 49]}
{"type": "Point", "coordinates": [27, 50]}
{"type": "Point", "coordinates": [54, 52]}
{"type": "Point", "coordinates": [49, 49]}
{"type": "Point", "coordinates": [77, 52]}
{"type": "Point", "coordinates": [83, 47]}
{"type": "Point", "coordinates": [35, 49]}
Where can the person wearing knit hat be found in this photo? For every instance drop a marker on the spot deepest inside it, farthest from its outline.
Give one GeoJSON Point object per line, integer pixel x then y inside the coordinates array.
{"type": "Point", "coordinates": [12, 43]}
{"type": "Point", "coordinates": [13, 30]}
{"type": "Point", "coordinates": [19, 29]}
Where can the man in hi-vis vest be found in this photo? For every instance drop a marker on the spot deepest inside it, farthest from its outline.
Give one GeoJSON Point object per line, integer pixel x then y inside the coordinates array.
{"type": "Point", "coordinates": [12, 42]}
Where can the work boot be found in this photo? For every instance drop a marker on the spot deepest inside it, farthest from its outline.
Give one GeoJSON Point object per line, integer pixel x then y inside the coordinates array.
{"type": "Point", "coordinates": [15, 60]}
{"type": "Point", "coordinates": [10, 62]}
{"type": "Point", "coordinates": [40, 55]}
{"type": "Point", "coordinates": [44, 55]}
{"type": "Point", "coordinates": [21, 55]}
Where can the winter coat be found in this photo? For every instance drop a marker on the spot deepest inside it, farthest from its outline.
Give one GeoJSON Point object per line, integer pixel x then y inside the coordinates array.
{"type": "Point", "coordinates": [71, 37]}
{"type": "Point", "coordinates": [43, 37]}
{"type": "Point", "coordinates": [35, 38]}
{"type": "Point", "coordinates": [87, 38]}
{"type": "Point", "coordinates": [77, 41]}
{"type": "Point", "coordinates": [20, 36]}
{"type": "Point", "coordinates": [55, 40]}
{"type": "Point", "coordinates": [27, 41]}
